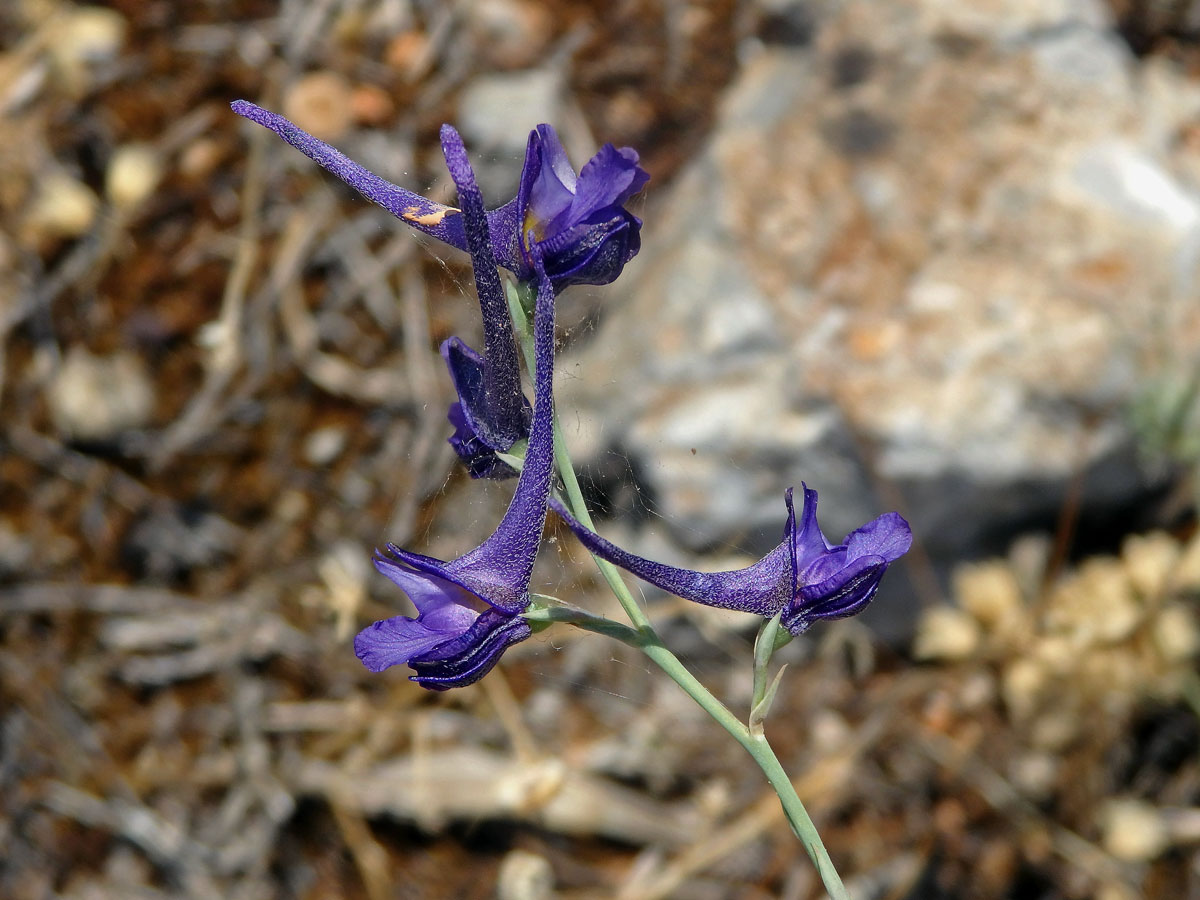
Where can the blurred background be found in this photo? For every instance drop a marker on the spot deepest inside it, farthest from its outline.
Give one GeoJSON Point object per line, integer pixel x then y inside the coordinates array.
{"type": "Point", "coordinates": [924, 255]}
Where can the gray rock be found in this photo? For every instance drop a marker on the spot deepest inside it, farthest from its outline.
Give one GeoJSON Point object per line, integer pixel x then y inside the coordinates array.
{"type": "Point", "coordinates": [938, 286]}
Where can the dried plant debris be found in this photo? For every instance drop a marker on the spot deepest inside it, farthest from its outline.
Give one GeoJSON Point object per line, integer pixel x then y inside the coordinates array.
{"type": "Point", "coordinates": [1069, 673]}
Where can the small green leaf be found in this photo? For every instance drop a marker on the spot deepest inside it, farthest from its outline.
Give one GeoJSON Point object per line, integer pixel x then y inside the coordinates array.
{"type": "Point", "coordinates": [758, 715]}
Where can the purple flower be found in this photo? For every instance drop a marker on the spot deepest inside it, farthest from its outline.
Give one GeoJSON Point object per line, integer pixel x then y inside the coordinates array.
{"type": "Point", "coordinates": [805, 577]}
{"type": "Point", "coordinates": [469, 609]}
{"type": "Point", "coordinates": [580, 225]}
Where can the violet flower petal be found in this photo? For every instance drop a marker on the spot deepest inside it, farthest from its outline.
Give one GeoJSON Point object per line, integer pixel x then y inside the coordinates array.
{"type": "Point", "coordinates": [808, 540]}
{"type": "Point", "coordinates": [395, 641]}
{"type": "Point", "coordinates": [836, 582]}
{"type": "Point", "coordinates": [480, 460]}
{"type": "Point", "coordinates": [594, 252]}
{"type": "Point", "coordinates": [844, 593]}
{"type": "Point", "coordinates": [609, 178]}
{"type": "Point", "coordinates": [552, 189]}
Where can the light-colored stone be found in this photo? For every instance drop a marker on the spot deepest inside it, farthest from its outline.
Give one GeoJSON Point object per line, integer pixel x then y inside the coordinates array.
{"type": "Point", "coordinates": [86, 36]}
{"type": "Point", "coordinates": [525, 876]}
{"type": "Point", "coordinates": [1149, 560]}
{"type": "Point", "coordinates": [1176, 634]}
{"type": "Point", "coordinates": [946, 633]}
{"type": "Point", "coordinates": [133, 173]}
{"type": "Point", "coordinates": [98, 397]}
{"type": "Point", "coordinates": [991, 592]}
{"type": "Point", "coordinates": [499, 110]}
{"type": "Point", "coordinates": [322, 104]}
{"type": "Point", "coordinates": [1134, 830]}
{"type": "Point", "coordinates": [62, 208]}
{"type": "Point", "coordinates": [323, 445]}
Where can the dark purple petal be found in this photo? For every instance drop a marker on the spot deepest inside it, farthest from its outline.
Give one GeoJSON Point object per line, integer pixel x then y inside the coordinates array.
{"type": "Point", "coordinates": [762, 588]}
{"type": "Point", "coordinates": [479, 459]}
{"type": "Point", "coordinates": [467, 658]}
{"type": "Point", "coordinates": [475, 444]}
{"type": "Point", "coordinates": [844, 594]}
{"type": "Point", "coordinates": [442, 222]}
{"type": "Point", "coordinates": [593, 252]}
{"type": "Point", "coordinates": [840, 581]}
{"type": "Point", "coordinates": [495, 406]}
{"type": "Point", "coordinates": [466, 372]}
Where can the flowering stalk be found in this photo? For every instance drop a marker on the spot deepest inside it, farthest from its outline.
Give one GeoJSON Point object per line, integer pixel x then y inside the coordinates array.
{"type": "Point", "coordinates": [645, 638]}
{"type": "Point", "coordinates": [567, 228]}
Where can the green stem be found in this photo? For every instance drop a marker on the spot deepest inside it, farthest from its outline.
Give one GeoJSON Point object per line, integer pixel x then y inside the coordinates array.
{"type": "Point", "coordinates": [757, 745]}
{"type": "Point", "coordinates": [643, 637]}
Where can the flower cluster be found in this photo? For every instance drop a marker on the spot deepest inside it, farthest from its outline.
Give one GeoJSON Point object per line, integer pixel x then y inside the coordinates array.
{"type": "Point", "coordinates": [562, 228]}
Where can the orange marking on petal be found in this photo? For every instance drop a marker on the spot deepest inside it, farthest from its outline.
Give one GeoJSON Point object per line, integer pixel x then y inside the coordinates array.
{"type": "Point", "coordinates": [429, 220]}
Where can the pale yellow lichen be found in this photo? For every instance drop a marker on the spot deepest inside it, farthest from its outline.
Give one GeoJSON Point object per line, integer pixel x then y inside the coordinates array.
{"type": "Point", "coordinates": [946, 633]}
{"type": "Point", "coordinates": [990, 592]}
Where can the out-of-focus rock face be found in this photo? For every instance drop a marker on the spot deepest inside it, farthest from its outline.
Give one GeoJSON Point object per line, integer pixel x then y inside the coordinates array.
{"type": "Point", "coordinates": [942, 242]}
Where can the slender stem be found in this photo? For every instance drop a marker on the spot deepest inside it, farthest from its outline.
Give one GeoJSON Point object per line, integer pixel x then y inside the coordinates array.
{"type": "Point", "coordinates": [797, 816]}
{"type": "Point", "coordinates": [643, 637]}
{"type": "Point", "coordinates": [757, 745]}
{"type": "Point", "coordinates": [572, 615]}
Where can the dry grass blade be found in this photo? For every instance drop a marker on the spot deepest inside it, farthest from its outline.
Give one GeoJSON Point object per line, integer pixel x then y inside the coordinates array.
{"type": "Point", "coordinates": [463, 784]}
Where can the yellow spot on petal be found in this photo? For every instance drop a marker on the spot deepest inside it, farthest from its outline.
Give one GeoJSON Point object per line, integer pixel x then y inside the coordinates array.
{"type": "Point", "coordinates": [429, 220]}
